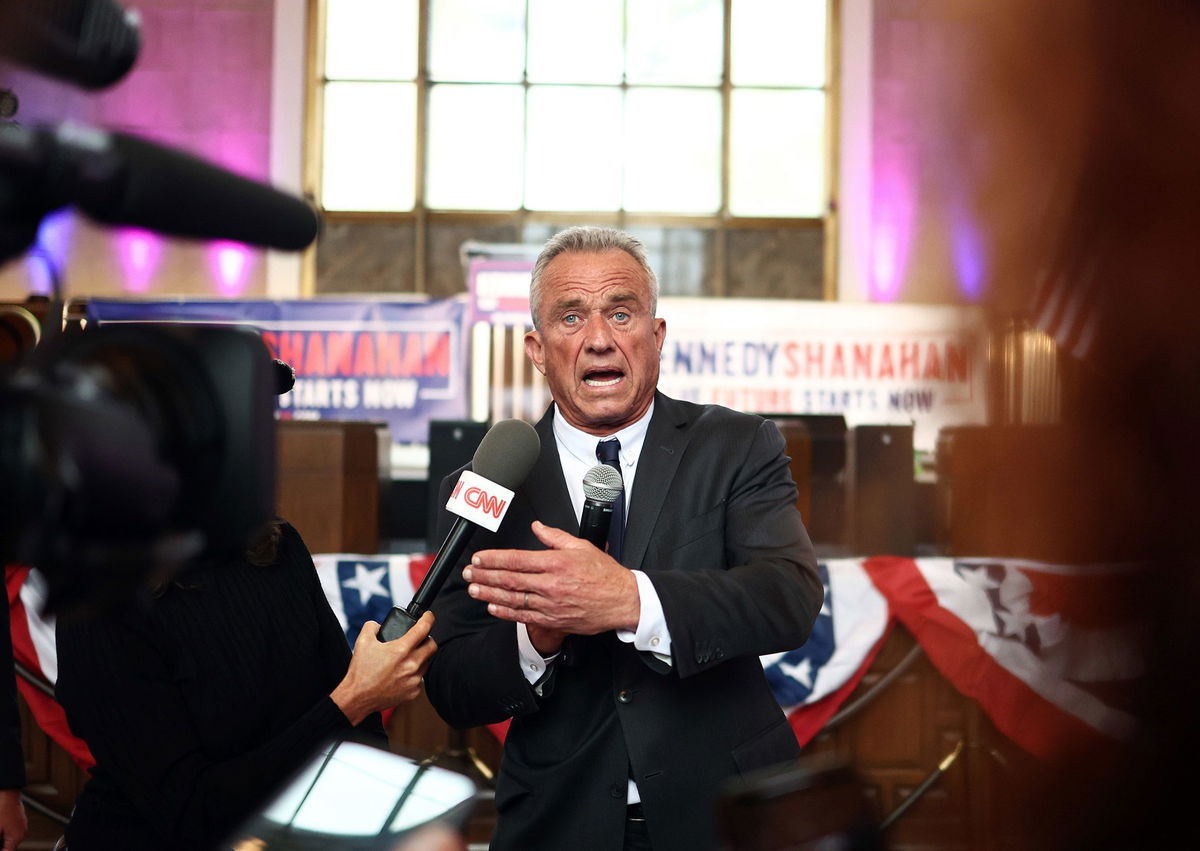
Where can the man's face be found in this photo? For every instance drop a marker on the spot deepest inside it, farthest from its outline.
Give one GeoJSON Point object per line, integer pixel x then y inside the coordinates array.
{"type": "Point", "coordinates": [599, 343]}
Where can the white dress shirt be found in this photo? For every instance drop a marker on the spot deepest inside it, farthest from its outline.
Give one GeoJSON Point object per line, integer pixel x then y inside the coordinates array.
{"type": "Point", "coordinates": [577, 455]}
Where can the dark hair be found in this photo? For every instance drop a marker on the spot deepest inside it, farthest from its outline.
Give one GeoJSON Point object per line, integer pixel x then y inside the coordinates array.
{"type": "Point", "coordinates": [264, 548]}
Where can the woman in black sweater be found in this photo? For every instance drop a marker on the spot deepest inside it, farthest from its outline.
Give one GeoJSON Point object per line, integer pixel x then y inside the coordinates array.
{"type": "Point", "coordinates": [198, 709]}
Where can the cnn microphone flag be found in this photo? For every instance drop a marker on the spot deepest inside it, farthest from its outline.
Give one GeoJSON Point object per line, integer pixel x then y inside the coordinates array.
{"type": "Point", "coordinates": [482, 502]}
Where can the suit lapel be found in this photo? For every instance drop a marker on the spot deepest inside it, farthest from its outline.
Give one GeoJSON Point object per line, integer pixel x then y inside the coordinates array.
{"type": "Point", "coordinates": [545, 488]}
{"type": "Point", "coordinates": [661, 453]}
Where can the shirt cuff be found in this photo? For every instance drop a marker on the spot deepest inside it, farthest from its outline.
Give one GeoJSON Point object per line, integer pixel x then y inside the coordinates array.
{"type": "Point", "coordinates": [652, 635]}
{"type": "Point", "coordinates": [533, 664]}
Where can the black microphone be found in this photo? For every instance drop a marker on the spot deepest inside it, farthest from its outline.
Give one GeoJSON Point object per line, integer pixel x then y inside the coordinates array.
{"type": "Point", "coordinates": [602, 485]}
{"type": "Point", "coordinates": [504, 458]}
{"type": "Point", "coordinates": [119, 179]}
{"type": "Point", "coordinates": [92, 43]}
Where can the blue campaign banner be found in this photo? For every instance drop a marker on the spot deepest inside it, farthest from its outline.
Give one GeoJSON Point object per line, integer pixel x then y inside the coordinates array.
{"type": "Point", "coordinates": [400, 362]}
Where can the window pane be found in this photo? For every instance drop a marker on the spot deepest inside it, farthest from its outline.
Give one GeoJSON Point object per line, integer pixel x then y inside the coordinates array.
{"type": "Point", "coordinates": [572, 159]}
{"type": "Point", "coordinates": [365, 257]}
{"type": "Point", "coordinates": [369, 146]}
{"type": "Point", "coordinates": [476, 136]}
{"type": "Point", "coordinates": [673, 150]}
{"type": "Point", "coordinates": [470, 41]}
{"type": "Point", "coordinates": [776, 153]}
{"type": "Point", "coordinates": [681, 259]}
{"type": "Point", "coordinates": [371, 40]}
{"type": "Point", "coordinates": [575, 41]}
{"type": "Point", "coordinates": [778, 43]}
{"type": "Point", "coordinates": [675, 42]}
{"type": "Point", "coordinates": [775, 263]}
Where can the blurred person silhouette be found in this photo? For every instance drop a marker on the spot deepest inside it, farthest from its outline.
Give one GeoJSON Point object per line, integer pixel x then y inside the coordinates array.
{"type": "Point", "coordinates": [1079, 124]}
{"type": "Point", "coordinates": [199, 706]}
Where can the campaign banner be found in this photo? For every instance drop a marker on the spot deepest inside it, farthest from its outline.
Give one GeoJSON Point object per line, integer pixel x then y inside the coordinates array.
{"type": "Point", "coordinates": [499, 289]}
{"type": "Point", "coordinates": [875, 364]}
{"type": "Point", "coordinates": [403, 363]}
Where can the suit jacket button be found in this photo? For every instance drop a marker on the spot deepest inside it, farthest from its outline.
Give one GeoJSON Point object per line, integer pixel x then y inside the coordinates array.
{"type": "Point", "coordinates": [619, 791]}
{"type": "Point", "coordinates": [625, 696]}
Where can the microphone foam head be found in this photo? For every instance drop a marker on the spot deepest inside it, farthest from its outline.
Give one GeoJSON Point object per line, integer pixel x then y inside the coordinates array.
{"type": "Point", "coordinates": [602, 484]}
{"type": "Point", "coordinates": [507, 453]}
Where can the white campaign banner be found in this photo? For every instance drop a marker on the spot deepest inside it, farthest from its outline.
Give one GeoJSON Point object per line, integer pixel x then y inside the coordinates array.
{"type": "Point", "coordinates": [876, 364]}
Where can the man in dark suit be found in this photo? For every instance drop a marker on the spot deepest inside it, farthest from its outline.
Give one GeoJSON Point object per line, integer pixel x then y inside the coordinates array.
{"type": "Point", "coordinates": [634, 685]}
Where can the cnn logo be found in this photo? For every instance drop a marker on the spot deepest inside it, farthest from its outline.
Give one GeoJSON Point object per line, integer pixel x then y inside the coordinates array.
{"type": "Point", "coordinates": [485, 502]}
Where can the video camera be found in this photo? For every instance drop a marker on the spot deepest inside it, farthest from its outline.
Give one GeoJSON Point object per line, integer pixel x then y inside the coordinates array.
{"type": "Point", "coordinates": [128, 452]}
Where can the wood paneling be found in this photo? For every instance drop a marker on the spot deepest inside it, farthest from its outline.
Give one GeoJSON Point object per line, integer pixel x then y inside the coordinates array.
{"type": "Point", "coordinates": [52, 779]}
{"type": "Point", "coordinates": [798, 446]}
{"type": "Point", "coordinates": [328, 483]}
{"type": "Point", "coordinates": [898, 739]}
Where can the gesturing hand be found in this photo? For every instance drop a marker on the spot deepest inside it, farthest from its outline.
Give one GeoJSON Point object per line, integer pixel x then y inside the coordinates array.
{"type": "Point", "coordinates": [570, 588]}
{"type": "Point", "coordinates": [384, 674]}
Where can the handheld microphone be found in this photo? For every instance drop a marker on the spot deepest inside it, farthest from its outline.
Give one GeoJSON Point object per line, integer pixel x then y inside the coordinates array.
{"type": "Point", "coordinates": [601, 486]}
{"type": "Point", "coordinates": [480, 498]}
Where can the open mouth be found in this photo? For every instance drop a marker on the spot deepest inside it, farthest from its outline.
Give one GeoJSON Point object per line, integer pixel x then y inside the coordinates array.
{"type": "Point", "coordinates": [603, 378]}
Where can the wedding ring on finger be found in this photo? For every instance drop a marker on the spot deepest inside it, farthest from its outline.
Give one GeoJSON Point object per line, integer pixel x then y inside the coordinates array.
{"type": "Point", "coordinates": [525, 602]}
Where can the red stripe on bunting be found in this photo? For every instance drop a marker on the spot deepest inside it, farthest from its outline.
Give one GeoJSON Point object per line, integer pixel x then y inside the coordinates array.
{"type": "Point", "coordinates": [1019, 712]}
{"type": "Point", "coordinates": [809, 719]}
{"type": "Point", "coordinates": [46, 711]}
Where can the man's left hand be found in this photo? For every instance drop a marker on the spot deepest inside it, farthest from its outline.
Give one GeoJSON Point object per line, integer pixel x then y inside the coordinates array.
{"type": "Point", "coordinates": [570, 588]}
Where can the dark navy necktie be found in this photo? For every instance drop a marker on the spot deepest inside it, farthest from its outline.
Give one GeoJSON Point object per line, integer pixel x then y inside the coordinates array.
{"type": "Point", "coordinates": [608, 452]}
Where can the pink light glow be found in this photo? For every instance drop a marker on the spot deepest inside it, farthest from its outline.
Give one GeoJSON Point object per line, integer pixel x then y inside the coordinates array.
{"type": "Point", "coordinates": [892, 214]}
{"type": "Point", "coordinates": [140, 252]}
{"type": "Point", "coordinates": [230, 263]}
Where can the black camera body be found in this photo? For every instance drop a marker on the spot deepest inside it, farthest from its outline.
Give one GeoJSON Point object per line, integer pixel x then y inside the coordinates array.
{"type": "Point", "coordinates": [131, 451]}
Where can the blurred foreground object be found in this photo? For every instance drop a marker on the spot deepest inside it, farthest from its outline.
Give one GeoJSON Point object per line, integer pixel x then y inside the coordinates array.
{"type": "Point", "coordinates": [355, 796]}
{"type": "Point", "coordinates": [120, 179]}
{"type": "Point", "coordinates": [127, 451]}
{"type": "Point", "coordinates": [1077, 123]}
{"type": "Point", "coordinates": [91, 43]}
{"type": "Point", "coordinates": [815, 803]}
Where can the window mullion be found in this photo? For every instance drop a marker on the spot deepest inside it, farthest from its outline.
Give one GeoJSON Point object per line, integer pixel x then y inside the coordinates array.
{"type": "Point", "coordinates": [720, 240]}
{"type": "Point", "coordinates": [421, 225]}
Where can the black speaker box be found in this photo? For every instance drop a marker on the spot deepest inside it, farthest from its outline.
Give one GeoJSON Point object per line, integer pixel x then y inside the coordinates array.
{"type": "Point", "coordinates": [823, 499]}
{"type": "Point", "coordinates": [881, 492]}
